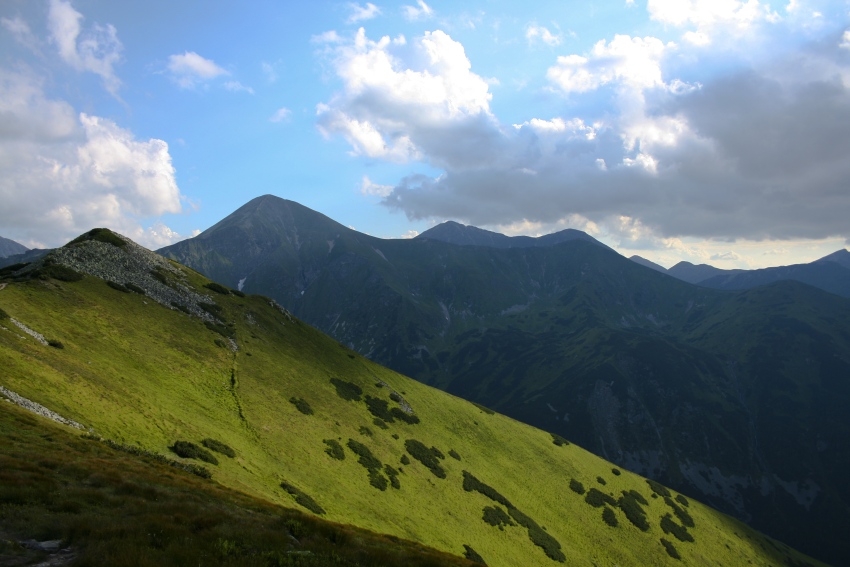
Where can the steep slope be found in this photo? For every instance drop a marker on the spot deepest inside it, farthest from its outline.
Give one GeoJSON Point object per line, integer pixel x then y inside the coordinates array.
{"type": "Point", "coordinates": [298, 419]}
{"type": "Point", "coordinates": [575, 339]}
{"type": "Point", "coordinates": [826, 275]}
{"type": "Point", "coordinates": [10, 247]}
{"type": "Point", "coordinates": [647, 263]}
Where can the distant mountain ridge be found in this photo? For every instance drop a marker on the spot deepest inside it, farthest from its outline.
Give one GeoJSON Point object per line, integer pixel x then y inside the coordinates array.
{"type": "Point", "coordinates": [10, 247]}
{"type": "Point", "coordinates": [464, 235]}
{"type": "Point", "coordinates": [685, 384]}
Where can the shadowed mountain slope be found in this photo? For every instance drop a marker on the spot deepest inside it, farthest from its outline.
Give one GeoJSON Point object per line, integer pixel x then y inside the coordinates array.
{"type": "Point", "coordinates": [10, 247]}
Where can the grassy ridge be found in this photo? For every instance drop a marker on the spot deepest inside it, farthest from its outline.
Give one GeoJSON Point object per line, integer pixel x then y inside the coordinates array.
{"type": "Point", "coordinates": [145, 375]}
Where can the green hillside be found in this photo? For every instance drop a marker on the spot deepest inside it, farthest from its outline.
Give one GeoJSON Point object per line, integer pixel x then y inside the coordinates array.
{"type": "Point", "coordinates": [312, 424]}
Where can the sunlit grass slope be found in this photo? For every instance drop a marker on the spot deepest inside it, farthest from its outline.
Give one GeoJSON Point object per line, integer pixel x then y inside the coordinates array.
{"type": "Point", "coordinates": [290, 401]}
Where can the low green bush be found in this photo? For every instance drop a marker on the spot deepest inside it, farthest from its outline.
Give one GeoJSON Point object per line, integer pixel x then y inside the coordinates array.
{"type": "Point", "coordinates": [3, 315]}
{"type": "Point", "coordinates": [609, 517]}
{"type": "Point", "coordinates": [497, 517]}
{"type": "Point", "coordinates": [576, 486]}
{"type": "Point", "coordinates": [682, 500]}
{"type": "Point", "coordinates": [470, 484]}
{"type": "Point", "coordinates": [219, 447]}
{"type": "Point", "coordinates": [222, 330]}
{"type": "Point", "coordinates": [402, 415]}
{"type": "Point", "coordinates": [181, 307]}
{"type": "Point", "coordinates": [378, 422]}
{"type": "Point", "coordinates": [365, 431]}
{"type": "Point", "coordinates": [392, 474]}
{"type": "Point", "coordinates": [347, 390]}
{"type": "Point", "coordinates": [670, 548]}
{"type": "Point", "coordinates": [631, 507]}
{"type": "Point", "coordinates": [405, 460]}
{"type": "Point", "coordinates": [671, 527]}
{"type": "Point", "coordinates": [211, 308]}
{"type": "Point", "coordinates": [658, 488]}
{"type": "Point", "coordinates": [483, 408]}
{"type": "Point", "coordinates": [59, 272]}
{"type": "Point", "coordinates": [118, 286]}
{"type": "Point", "coordinates": [379, 408]}
{"type": "Point", "coordinates": [189, 450]}
{"type": "Point", "coordinates": [539, 537]}
{"type": "Point", "coordinates": [681, 513]}
{"type": "Point", "coordinates": [334, 449]}
{"type": "Point", "coordinates": [303, 499]}
{"type": "Point", "coordinates": [378, 480]}
{"type": "Point", "coordinates": [454, 454]}
{"type": "Point", "coordinates": [364, 456]}
{"type": "Point", "coordinates": [134, 288]}
{"type": "Point", "coordinates": [559, 441]}
{"type": "Point", "coordinates": [237, 293]}
{"type": "Point", "coordinates": [598, 499]}
{"type": "Point", "coordinates": [616, 471]}
{"type": "Point", "coordinates": [472, 555]}
{"type": "Point", "coordinates": [13, 268]}
{"type": "Point", "coordinates": [601, 480]}
{"type": "Point", "coordinates": [426, 456]}
{"type": "Point", "coordinates": [396, 397]}
{"type": "Point", "coordinates": [301, 405]}
{"type": "Point", "coordinates": [218, 288]}
{"type": "Point", "coordinates": [160, 276]}
{"type": "Point", "coordinates": [55, 344]}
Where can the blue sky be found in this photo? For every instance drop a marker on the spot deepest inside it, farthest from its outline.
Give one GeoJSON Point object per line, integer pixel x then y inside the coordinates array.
{"type": "Point", "coordinates": [708, 131]}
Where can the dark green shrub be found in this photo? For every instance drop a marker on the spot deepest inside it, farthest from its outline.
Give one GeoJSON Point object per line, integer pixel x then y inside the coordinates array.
{"type": "Point", "coordinates": [218, 288]}
{"type": "Point", "coordinates": [405, 460]}
{"type": "Point", "coordinates": [365, 431]}
{"type": "Point", "coordinates": [303, 499]}
{"type": "Point", "coordinates": [392, 474]}
{"type": "Point", "coordinates": [437, 453]}
{"type": "Point", "coordinates": [101, 235]}
{"type": "Point", "coordinates": [134, 288]}
{"type": "Point", "coordinates": [671, 527]}
{"type": "Point", "coordinates": [219, 447]}
{"type": "Point", "coordinates": [497, 517]}
{"type": "Point", "coordinates": [55, 344]}
{"type": "Point", "coordinates": [658, 488]}
{"type": "Point", "coordinates": [472, 555]}
{"type": "Point", "coordinates": [609, 517]}
{"type": "Point", "coordinates": [616, 471]}
{"type": "Point", "coordinates": [13, 268]}
{"type": "Point", "coordinates": [637, 496]}
{"type": "Point", "coordinates": [682, 500]}
{"type": "Point", "coordinates": [559, 441]}
{"type": "Point", "coordinates": [484, 408]}
{"type": "Point", "coordinates": [211, 308]}
{"type": "Point", "coordinates": [347, 390]}
{"type": "Point", "coordinates": [365, 457]}
{"type": "Point", "coordinates": [426, 456]}
{"type": "Point", "coordinates": [598, 499]}
{"type": "Point", "coordinates": [632, 509]}
{"type": "Point", "coordinates": [379, 408]}
{"type": "Point", "coordinates": [189, 450]}
{"type": "Point", "coordinates": [334, 449]}
{"type": "Point", "coordinates": [237, 293]}
{"type": "Point", "coordinates": [601, 480]}
{"type": "Point", "coordinates": [118, 286]}
{"type": "Point", "coordinates": [180, 307]}
{"type": "Point", "coordinates": [454, 454]}
{"type": "Point", "coordinates": [395, 397]}
{"type": "Point", "coordinates": [681, 513]}
{"type": "Point", "coordinates": [378, 480]}
{"type": "Point", "coordinates": [3, 315]}
{"type": "Point", "coordinates": [671, 549]}
{"type": "Point", "coordinates": [576, 486]}
{"type": "Point", "coordinates": [470, 483]}
{"type": "Point", "coordinates": [539, 537]}
{"type": "Point", "coordinates": [61, 273]}
{"type": "Point", "coordinates": [301, 405]}
{"type": "Point", "coordinates": [402, 415]}
{"type": "Point", "coordinates": [378, 422]}
{"type": "Point", "coordinates": [222, 330]}
{"type": "Point", "coordinates": [220, 343]}
{"type": "Point", "coordinates": [160, 276]}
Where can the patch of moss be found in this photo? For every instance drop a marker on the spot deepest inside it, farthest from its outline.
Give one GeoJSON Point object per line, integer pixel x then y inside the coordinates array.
{"type": "Point", "coordinates": [301, 405]}
{"type": "Point", "coordinates": [303, 499]}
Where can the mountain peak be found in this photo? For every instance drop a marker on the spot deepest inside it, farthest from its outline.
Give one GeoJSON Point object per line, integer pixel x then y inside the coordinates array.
{"type": "Point", "coordinates": [467, 235]}
{"type": "Point", "coordinates": [841, 257]}
{"type": "Point", "coordinates": [10, 247]}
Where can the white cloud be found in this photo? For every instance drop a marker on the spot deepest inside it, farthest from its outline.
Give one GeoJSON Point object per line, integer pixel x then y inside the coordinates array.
{"type": "Point", "coordinates": [236, 86]}
{"type": "Point", "coordinates": [535, 33]}
{"type": "Point", "coordinates": [845, 40]}
{"type": "Point", "coordinates": [62, 173]}
{"type": "Point", "coordinates": [361, 13]}
{"type": "Point", "coordinates": [409, 234]}
{"type": "Point", "coordinates": [189, 69]}
{"type": "Point", "coordinates": [635, 62]}
{"type": "Point", "coordinates": [96, 50]}
{"type": "Point", "coordinates": [708, 15]}
{"type": "Point", "coordinates": [22, 33]}
{"type": "Point", "coordinates": [395, 109]}
{"type": "Point", "coordinates": [367, 187]}
{"type": "Point", "coordinates": [421, 11]}
{"type": "Point", "coordinates": [330, 36]}
{"type": "Point", "coordinates": [281, 115]}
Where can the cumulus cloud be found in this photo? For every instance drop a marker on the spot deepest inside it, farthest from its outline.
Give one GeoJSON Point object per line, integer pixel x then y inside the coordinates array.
{"type": "Point", "coordinates": [189, 69]}
{"type": "Point", "coordinates": [361, 13]}
{"type": "Point", "coordinates": [705, 16]}
{"type": "Point", "coordinates": [96, 50]}
{"type": "Point", "coordinates": [62, 173]}
{"type": "Point", "coordinates": [367, 187]}
{"type": "Point", "coordinates": [534, 33]}
{"type": "Point", "coordinates": [421, 11]}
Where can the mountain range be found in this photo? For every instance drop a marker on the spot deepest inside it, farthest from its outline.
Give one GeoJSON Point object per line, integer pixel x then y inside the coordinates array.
{"type": "Point", "coordinates": [10, 247]}
{"type": "Point", "coordinates": [737, 398]}
{"type": "Point", "coordinates": [192, 412]}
